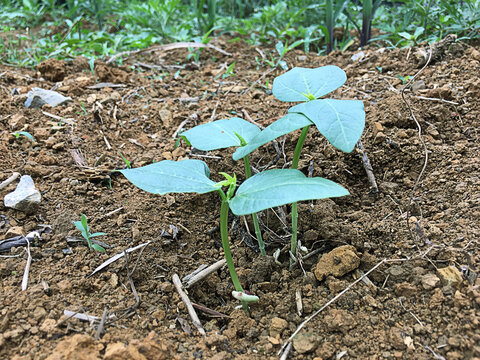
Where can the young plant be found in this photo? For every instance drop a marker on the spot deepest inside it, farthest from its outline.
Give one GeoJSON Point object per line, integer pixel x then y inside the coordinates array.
{"type": "Point", "coordinates": [17, 134]}
{"type": "Point", "coordinates": [82, 225]}
{"type": "Point", "coordinates": [264, 190]}
{"type": "Point", "coordinates": [341, 122]}
{"type": "Point", "coordinates": [222, 134]}
{"type": "Point", "coordinates": [332, 11]}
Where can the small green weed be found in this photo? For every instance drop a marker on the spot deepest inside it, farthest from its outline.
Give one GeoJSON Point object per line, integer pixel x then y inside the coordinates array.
{"type": "Point", "coordinates": [82, 226]}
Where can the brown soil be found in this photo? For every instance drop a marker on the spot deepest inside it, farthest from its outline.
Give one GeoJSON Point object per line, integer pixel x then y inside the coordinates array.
{"type": "Point", "coordinates": [406, 309]}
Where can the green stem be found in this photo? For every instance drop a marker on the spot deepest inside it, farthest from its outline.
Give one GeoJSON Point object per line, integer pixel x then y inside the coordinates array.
{"type": "Point", "coordinates": [298, 148]}
{"type": "Point", "coordinates": [296, 158]}
{"type": "Point", "coordinates": [258, 233]}
{"type": "Point", "coordinates": [226, 245]}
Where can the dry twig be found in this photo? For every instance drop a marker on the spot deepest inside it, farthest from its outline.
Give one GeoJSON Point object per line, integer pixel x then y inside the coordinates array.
{"type": "Point", "coordinates": [191, 311]}
{"type": "Point", "coordinates": [11, 179]}
{"type": "Point", "coordinates": [368, 168]}
{"type": "Point", "coordinates": [204, 273]}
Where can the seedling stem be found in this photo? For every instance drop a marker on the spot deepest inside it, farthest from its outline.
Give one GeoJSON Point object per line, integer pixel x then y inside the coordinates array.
{"type": "Point", "coordinates": [226, 245]}
{"type": "Point", "coordinates": [296, 158]}
{"type": "Point", "coordinates": [258, 233]}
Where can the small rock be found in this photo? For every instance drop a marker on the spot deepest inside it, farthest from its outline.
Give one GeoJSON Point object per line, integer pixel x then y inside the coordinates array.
{"type": "Point", "coordinates": [48, 326]}
{"type": "Point", "coordinates": [455, 341]}
{"type": "Point", "coordinates": [39, 313]}
{"type": "Point", "coordinates": [311, 235]}
{"type": "Point", "coordinates": [277, 326]}
{"type": "Point", "coordinates": [325, 351]}
{"type": "Point", "coordinates": [17, 121]}
{"type": "Point", "coordinates": [14, 231]}
{"type": "Point", "coordinates": [178, 152]}
{"type": "Point", "coordinates": [402, 134]}
{"type": "Point", "coordinates": [339, 320]}
{"type": "Point", "coordinates": [302, 58]}
{"type": "Point", "coordinates": [39, 97]}
{"type": "Point", "coordinates": [461, 301]}
{"type": "Point", "coordinates": [418, 85]}
{"type": "Point", "coordinates": [377, 127]}
{"type": "Point", "coordinates": [215, 339]}
{"type": "Point", "coordinates": [25, 198]}
{"type": "Point", "coordinates": [396, 338]}
{"type": "Point", "coordinates": [167, 155]}
{"type": "Point", "coordinates": [63, 223]}
{"type": "Point", "coordinates": [405, 289]}
{"type": "Point", "coordinates": [380, 137]}
{"type": "Point", "coordinates": [305, 343]}
{"type": "Point", "coordinates": [437, 299]}
{"type": "Point", "coordinates": [358, 56]}
{"type": "Point", "coordinates": [337, 262]}
{"type": "Point", "coordinates": [450, 276]}
{"type": "Point", "coordinates": [64, 286]}
{"type": "Point", "coordinates": [475, 54]}
{"type": "Point", "coordinates": [396, 272]}
{"type": "Point", "coordinates": [429, 281]}
{"type": "Point", "coordinates": [166, 117]}
{"type": "Point", "coordinates": [113, 281]}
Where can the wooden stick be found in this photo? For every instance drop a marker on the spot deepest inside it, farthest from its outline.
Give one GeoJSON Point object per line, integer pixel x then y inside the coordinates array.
{"type": "Point", "coordinates": [368, 168]}
{"type": "Point", "coordinates": [11, 179]}
{"type": "Point", "coordinates": [101, 326]}
{"type": "Point", "coordinates": [191, 311]}
{"type": "Point", "coordinates": [204, 273]}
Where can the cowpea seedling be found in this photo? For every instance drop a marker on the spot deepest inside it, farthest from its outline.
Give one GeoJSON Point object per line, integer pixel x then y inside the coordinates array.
{"type": "Point", "coordinates": [264, 190]}
{"type": "Point", "coordinates": [222, 134]}
{"type": "Point", "coordinates": [341, 122]}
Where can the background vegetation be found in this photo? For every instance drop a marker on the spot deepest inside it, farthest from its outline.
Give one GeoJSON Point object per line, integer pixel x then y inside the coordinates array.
{"type": "Point", "coordinates": [33, 30]}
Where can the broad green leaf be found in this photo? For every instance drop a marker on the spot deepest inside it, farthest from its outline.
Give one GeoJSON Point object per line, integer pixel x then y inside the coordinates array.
{"type": "Point", "coordinates": [279, 187]}
{"type": "Point", "coordinates": [282, 126]}
{"type": "Point", "coordinates": [340, 121]}
{"type": "Point", "coordinates": [220, 134]}
{"type": "Point", "coordinates": [169, 176]}
{"type": "Point", "coordinates": [298, 83]}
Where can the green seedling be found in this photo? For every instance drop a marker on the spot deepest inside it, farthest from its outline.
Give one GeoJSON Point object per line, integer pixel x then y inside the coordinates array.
{"type": "Point", "coordinates": [222, 134]}
{"type": "Point", "coordinates": [82, 105]}
{"type": "Point", "coordinates": [264, 190]}
{"type": "Point", "coordinates": [282, 50]}
{"type": "Point", "coordinates": [127, 162]}
{"type": "Point", "coordinates": [17, 134]}
{"type": "Point", "coordinates": [82, 226]}
{"type": "Point", "coordinates": [412, 39]}
{"type": "Point", "coordinates": [229, 72]}
{"type": "Point", "coordinates": [341, 122]}
{"type": "Point", "coordinates": [404, 79]}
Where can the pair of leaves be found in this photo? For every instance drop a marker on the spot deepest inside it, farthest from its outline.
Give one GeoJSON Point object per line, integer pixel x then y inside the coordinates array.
{"type": "Point", "coordinates": [265, 190]}
{"type": "Point", "coordinates": [340, 121]}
